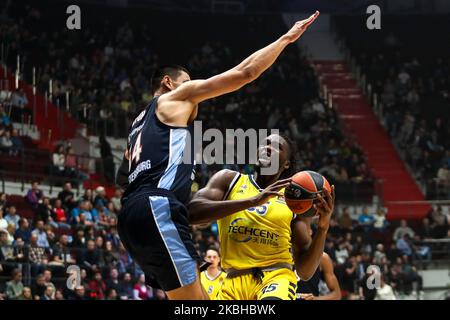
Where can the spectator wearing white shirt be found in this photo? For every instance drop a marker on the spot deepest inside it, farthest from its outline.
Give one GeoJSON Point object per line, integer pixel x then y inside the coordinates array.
{"type": "Point", "coordinates": [59, 160]}
{"type": "Point", "coordinates": [385, 292]}
{"type": "Point", "coordinates": [3, 222]}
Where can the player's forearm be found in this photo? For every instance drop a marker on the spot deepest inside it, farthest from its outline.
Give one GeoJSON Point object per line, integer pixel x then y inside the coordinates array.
{"type": "Point", "coordinates": [203, 210]}
{"type": "Point", "coordinates": [306, 263]}
{"type": "Point", "coordinates": [333, 295]}
{"type": "Point", "coordinates": [262, 59]}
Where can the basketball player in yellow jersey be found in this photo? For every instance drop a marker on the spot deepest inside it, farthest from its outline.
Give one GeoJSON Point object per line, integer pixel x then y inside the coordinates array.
{"type": "Point", "coordinates": [213, 276]}
{"type": "Point", "coordinates": [261, 239]}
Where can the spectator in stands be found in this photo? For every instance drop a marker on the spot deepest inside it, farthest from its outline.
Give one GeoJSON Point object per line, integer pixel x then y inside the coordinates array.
{"type": "Point", "coordinates": [19, 99]}
{"type": "Point", "coordinates": [23, 231]}
{"type": "Point", "coordinates": [402, 230]}
{"type": "Point", "coordinates": [113, 281]}
{"type": "Point", "coordinates": [67, 197]}
{"type": "Point", "coordinates": [48, 293]}
{"type": "Point", "coordinates": [37, 256]}
{"type": "Point", "coordinates": [3, 221]}
{"type": "Point", "coordinates": [111, 294]}
{"type": "Point", "coordinates": [80, 294]}
{"type": "Point", "coordinates": [6, 251]}
{"type": "Point", "coordinates": [440, 227]}
{"type": "Point", "coordinates": [14, 288]}
{"type": "Point", "coordinates": [425, 231]}
{"type": "Point", "coordinates": [12, 217]}
{"type": "Point", "coordinates": [59, 216]}
{"type": "Point", "coordinates": [17, 146]}
{"type": "Point", "coordinates": [3, 200]}
{"type": "Point", "coordinates": [79, 239]}
{"type": "Point", "coordinates": [404, 245]}
{"type": "Point", "coordinates": [39, 286]}
{"type": "Point", "coordinates": [116, 200]}
{"type": "Point", "coordinates": [345, 221]}
{"type": "Point", "coordinates": [59, 158]}
{"type": "Point", "coordinates": [48, 280]}
{"type": "Point", "coordinates": [380, 223]}
{"type": "Point", "coordinates": [61, 251]}
{"type": "Point", "coordinates": [83, 208]}
{"type": "Point", "coordinates": [6, 144]}
{"type": "Point", "coordinates": [89, 258]}
{"type": "Point", "coordinates": [59, 295]}
{"type": "Point", "coordinates": [97, 286]}
{"type": "Point", "coordinates": [87, 196]}
{"type": "Point", "coordinates": [443, 178]}
{"type": "Point", "coordinates": [379, 254]}
{"type": "Point", "coordinates": [141, 291]}
{"type": "Point", "coordinates": [26, 294]}
{"type": "Point", "coordinates": [44, 210]}
{"type": "Point", "coordinates": [385, 292]}
{"type": "Point", "coordinates": [5, 119]}
{"type": "Point", "coordinates": [366, 220]}
{"type": "Point", "coordinates": [110, 257]}
{"type": "Point", "coordinates": [100, 197]}
{"type": "Point", "coordinates": [34, 194]}
{"type": "Point", "coordinates": [41, 234]}
{"type": "Point", "coordinates": [126, 287]}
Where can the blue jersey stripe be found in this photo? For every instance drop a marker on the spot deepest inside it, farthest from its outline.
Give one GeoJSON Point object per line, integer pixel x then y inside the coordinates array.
{"type": "Point", "coordinates": [177, 145]}
{"type": "Point", "coordinates": [183, 263]}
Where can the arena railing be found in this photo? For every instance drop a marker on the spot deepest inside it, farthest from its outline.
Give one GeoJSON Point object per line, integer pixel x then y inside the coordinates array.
{"type": "Point", "coordinates": [30, 270]}
{"type": "Point", "coordinates": [17, 168]}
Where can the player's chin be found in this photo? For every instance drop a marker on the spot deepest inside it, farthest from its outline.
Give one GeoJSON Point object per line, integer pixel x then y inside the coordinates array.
{"type": "Point", "coordinates": [263, 163]}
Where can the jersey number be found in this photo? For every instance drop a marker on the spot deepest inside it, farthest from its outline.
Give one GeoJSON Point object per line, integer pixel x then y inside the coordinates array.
{"type": "Point", "coordinates": [137, 150]}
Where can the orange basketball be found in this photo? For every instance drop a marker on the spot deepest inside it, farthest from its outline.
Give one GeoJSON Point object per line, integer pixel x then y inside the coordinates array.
{"type": "Point", "coordinates": [302, 192]}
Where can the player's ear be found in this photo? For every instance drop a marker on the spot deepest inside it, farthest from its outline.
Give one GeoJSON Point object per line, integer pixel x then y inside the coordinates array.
{"type": "Point", "coordinates": [287, 164]}
{"type": "Point", "coordinates": [167, 83]}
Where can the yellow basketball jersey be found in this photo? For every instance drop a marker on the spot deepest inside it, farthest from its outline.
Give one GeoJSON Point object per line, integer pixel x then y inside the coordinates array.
{"type": "Point", "coordinates": [255, 237]}
{"type": "Point", "coordinates": [212, 286]}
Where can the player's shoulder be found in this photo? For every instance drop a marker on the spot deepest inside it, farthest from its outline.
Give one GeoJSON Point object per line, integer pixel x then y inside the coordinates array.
{"type": "Point", "coordinates": [226, 176]}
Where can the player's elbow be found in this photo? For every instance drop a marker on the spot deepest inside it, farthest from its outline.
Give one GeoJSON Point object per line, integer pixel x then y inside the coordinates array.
{"type": "Point", "coordinates": [246, 75]}
{"type": "Point", "coordinates": [195, 215]}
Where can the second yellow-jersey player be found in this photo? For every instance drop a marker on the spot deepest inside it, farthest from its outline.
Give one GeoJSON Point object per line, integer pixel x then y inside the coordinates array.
{"type": "Point", "coordinates": [212, 277]}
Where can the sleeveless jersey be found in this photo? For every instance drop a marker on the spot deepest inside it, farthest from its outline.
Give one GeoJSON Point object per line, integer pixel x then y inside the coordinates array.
{"type": "Point", "coordinates": [160, 156]}
{"type": "Point", "coordinates": [255, 237]}
{"type": "Point", "coordinates": [212, 286]}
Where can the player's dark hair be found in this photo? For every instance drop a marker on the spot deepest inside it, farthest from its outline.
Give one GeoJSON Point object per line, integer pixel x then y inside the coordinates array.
{"type": "Point", "coordinates": [172, 71]}
{"type": "Point", "coordinates": [214, 249]}
{"type": "Point", "coordinates": [292, 157]}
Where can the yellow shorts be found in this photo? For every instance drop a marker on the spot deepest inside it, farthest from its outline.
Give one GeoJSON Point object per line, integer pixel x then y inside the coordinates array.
{"type": "Point", "coordinates": [279, 284]}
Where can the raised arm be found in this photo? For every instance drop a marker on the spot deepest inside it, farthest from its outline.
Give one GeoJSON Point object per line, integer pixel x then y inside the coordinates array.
{"type": "Point", "coordinates": [209, 203]}
{"type": "Point", "coordinates": [196, 91]}
{"type": "Point", "coordinates": [247, 71]}
{"type": "Point", "coordinates": [308, 251]}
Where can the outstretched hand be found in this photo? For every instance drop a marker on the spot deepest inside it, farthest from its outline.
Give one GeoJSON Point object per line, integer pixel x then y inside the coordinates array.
{"type": "Point", "coordinates": [271, 191]}
{"type": "Point", "coordinates": [299, 27]}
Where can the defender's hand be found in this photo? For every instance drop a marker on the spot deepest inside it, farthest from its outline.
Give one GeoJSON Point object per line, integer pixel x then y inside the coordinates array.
{"type": "Point", "coordinates": [299, 27]}
{"type": "Point", "coordinates": [325, 208]}
{"type": "Point", "coordinates": [269, 192]}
